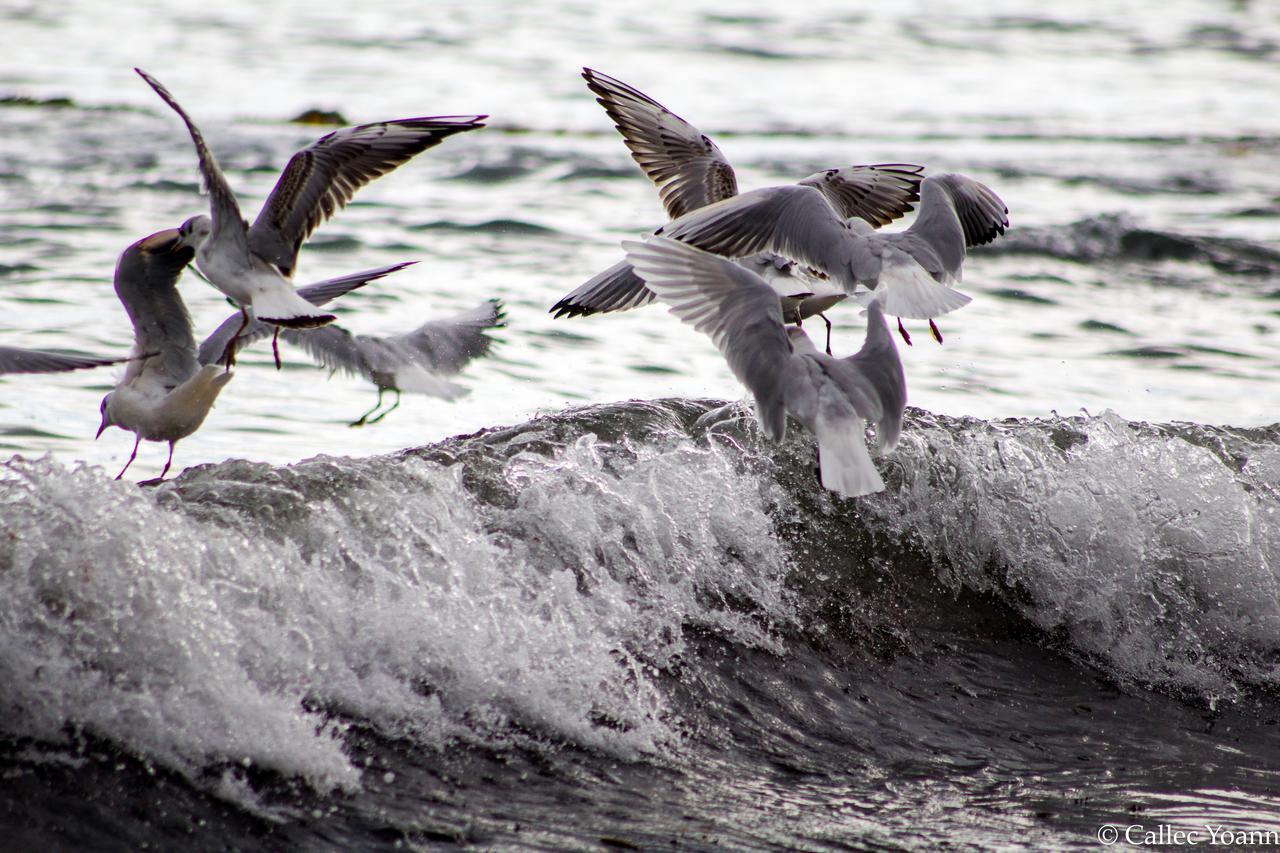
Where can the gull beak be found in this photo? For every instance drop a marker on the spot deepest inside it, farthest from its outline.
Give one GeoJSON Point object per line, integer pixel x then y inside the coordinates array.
{"type": "Point", "coordinates": [102, 427]}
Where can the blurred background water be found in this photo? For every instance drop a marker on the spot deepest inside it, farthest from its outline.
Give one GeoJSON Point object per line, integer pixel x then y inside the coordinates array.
{"type": "Point", "coordinates": [603, 627]}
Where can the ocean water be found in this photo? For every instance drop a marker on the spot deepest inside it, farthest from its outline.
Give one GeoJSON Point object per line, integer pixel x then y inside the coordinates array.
{"type": "Point", "coordinates": [568, 611]}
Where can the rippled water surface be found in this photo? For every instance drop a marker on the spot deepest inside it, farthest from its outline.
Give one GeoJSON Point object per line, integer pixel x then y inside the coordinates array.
{"type": "Point", "coordinates": [611, 626]}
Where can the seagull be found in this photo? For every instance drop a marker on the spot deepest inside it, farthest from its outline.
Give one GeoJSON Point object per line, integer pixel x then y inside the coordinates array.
{"type": "Point", "coordinates": [254, 264]}
{"type": "Point", "coordinates": [915, 268]}
{"type": "Point", "coordinates": [170, 385]}
{"type": "Point", "coordinates": [22, 360]}
{"type": "Point", "coordinates": [779, 364]}
{"type": "Point", "coordinates": [415, 361]}
{"type": "Point", "coordinates": [166, 396]}
{"type": "Point", "coordinates": [691, 172]}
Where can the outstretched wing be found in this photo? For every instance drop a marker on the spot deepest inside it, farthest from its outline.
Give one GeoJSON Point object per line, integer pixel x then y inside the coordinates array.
{"type": "Point", "coordinates": [20, 360]}
{"type": "Point", "coordinates": [447, 346]}
{"type": "Point", "coordinates": [794, 221]}
{"type": "Point", "coordinates": [732, 305]}
{"type": "Point", "coordinates": [616, 289]}
{"type": "Point", "coordinates": [333, 347]}
{"type": "Point", "coordinates": [228, 222]}
{"type": "Point", "coordinates": [687, 167]}
{"type": "Point", "coordinates": [872, 379]}
{"type": "Point", "coordinates": [983, 215]}
{"type": "Point", "coordinates": [321, 178]}
{"type": "Point", "coordinates": [878, 194]}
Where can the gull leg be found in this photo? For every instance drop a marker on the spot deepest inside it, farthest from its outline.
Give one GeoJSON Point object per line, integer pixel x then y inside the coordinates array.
{"type": "Point", "coordinates": [168, 461]}
{"type": "Point", "coordinates": [132, 456]}
{"type": "Point", "coordinates": [902, 330]}
{"type": "Point", "coordinates": [394, 406]}
{"type": "Point", "coordinates": [828, 322]}
{"type": "Point", "coordinates": [275, 346]}
{"type": "Point", "coordinates": [231, 347]}
{"type": "Point", "coordinates": [364, 419]}
{"type": "Point", "coordinates": [935, 331]}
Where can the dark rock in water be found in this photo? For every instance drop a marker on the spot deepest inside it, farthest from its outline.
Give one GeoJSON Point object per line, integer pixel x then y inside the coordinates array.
{"type": "Point", "coordinates": [29, 101]}
{"type": "Point", "coordinates": [318, 116]}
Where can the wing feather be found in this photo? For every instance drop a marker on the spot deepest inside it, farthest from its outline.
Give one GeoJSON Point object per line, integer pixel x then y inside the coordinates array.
{"type": "Point", "coordinates": [321, 178]}
{"type": "Point", "coordinates": [734, 306]}
{"type": "Point", "coordinates": [686, 165]}
{"type": "Point", "coordinates": [878, 194]}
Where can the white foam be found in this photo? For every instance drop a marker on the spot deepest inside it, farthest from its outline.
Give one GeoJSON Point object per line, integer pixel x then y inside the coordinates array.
{"type": "Point", "coordinates": [1143, 548]}
{"type": "Point", "coordinates": [197, 624]}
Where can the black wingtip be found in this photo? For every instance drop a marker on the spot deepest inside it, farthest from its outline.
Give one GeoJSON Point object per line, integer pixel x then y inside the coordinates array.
{"type": "Point", "coordinates": [564, 308]}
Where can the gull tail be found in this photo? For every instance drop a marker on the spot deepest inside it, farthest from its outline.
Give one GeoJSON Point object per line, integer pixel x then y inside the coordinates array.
{"type": "Point", "coordinates": [909, 291]}
{"type": "Point", "coordinates": [282, 306]}
{"type": "Point", "coordinates": [186, 406]}
{"type": "Point", "coordinates": [844, 463]}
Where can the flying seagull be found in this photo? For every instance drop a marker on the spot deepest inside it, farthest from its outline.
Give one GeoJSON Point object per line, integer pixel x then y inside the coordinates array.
{"type": "Point", "coordinates": [420, 361]}
{"type": "Point", "coordinates": [691, 172]}
{"type": "Point", "coordinates": [913, 269]}
{"type": "Point", "coordinates": [779, 365]}
{"type": "Point", "coordinates": [254, 264]}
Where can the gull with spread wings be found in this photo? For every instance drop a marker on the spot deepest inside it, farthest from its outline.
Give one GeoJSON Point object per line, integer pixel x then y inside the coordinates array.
{"type": "Point", "coordinates": [419, 361]}
{"type": "Point", "coordinates": [779, 365]}
{"type": "Point", "coordinates": [913, 269]}
{"type": "Point", "coordinates": [691, 173]}
{"type": "Point", "coordinates": [254, 264]}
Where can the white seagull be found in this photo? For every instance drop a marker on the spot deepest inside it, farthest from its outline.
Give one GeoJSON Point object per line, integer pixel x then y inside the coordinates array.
{"type": "Point", "coordinates": [417, 361]}
{"type": "Point", "coordinates": [254, 264]}
{"type": "Point", "coordinates": [691, 172]}
{"type": "Point", "coordinates": [913, 269]}
{"type": "Point", "coordinates": [779, 365]}
{"type": "Point", "coordinates": [169, 386]}
{"type": "Point", "coordinates": [166, 395]}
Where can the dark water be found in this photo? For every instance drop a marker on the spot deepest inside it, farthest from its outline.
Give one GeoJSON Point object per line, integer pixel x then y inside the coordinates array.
{"type": "Point", "coordinates": [618, 626]}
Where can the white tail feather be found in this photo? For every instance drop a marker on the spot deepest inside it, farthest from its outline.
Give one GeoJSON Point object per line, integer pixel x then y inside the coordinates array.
{"type": "Point", "coordinates": [283, 306]}
{"type": "Point", "coordinates": [844, 462]}
{"type": "Point", "coordinates": [909, 291]}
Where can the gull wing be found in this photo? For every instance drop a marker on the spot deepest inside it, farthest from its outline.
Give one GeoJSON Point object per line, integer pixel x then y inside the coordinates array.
{"type": "Point", "coordinates": [873, 379]}
{"type": "Point", "coordinates": [21, 360]}
{"type": "Point", "coordinates": [732, 305]}
{"type": "Point", "coordinates": [228, 222]}
{"type": "Point", "coordinates": [687, 167]}
{"type": "Point", "coordinates": [616, 289]}
{"type": "Point", "coordinates": [956, 213]}
{"type": "Point", "coordinates": [878, 194]}
{"type": "Point", "coordinates": [794, 221]}
{"type": "Point", "coordinates": [321, 178]}
{"type": "Point", "coordinates": [983, 215]}
{"type": "Point", "coordinates": [446, 346]}
{"type": "Point", "coordinates": [146, 281]}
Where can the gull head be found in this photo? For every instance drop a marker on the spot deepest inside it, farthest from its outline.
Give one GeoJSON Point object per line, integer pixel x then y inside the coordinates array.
{"type": "Point", "coordinates": [106, 417]}
{"type": "Point", "coordinates": [195, 231]}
